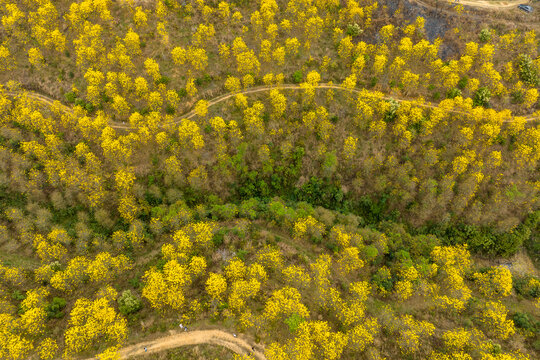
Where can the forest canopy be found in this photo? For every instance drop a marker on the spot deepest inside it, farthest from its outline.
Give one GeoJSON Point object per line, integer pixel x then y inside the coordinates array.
{"type": "Point", "coordinates": [327, 177]}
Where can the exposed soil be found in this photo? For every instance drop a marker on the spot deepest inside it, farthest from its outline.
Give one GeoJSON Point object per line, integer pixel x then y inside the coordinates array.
{"type": "Point", "coordinates": [236, 344]}
{"type": "Point", "coordinates": [491, 5]}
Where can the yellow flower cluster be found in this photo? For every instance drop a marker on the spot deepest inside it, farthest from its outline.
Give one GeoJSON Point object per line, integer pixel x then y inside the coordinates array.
{"type": "Point", "coordinates": [124, 179]}
{"type": "Point", "coordinates": [242, 290]}
{"type": "Point", "coordinates": [457, 339]}
{"type": "Point", "coordinates": [93, 320]}
{"type": "Point", "coordinates": [257, 271]}
{"type": "Point", "coordinates": [35, 298]}
{"type": "Point", "coordinates": [349, 147]}
{"type": "Point", "coordinates": [189, 131]}
{"type": "Point", "coordinates": [201, 233]}
{"type": "Point", "coordinates": [413, 330]}
{"type": "Point", "coordinates": [102, 269]}
{"type": "Point", "coordinates": [279, 102]}
{"type": "Point", "coordinates": [297, 276]}
{"type": "Point", "coordinates": [253, 120]}
{"type": "Point", "coordinates": [47, 349]}
{"type": "Point", "coordinates": [197, 266]}
{"type": "Point", "coordinates": [363, 335]}
{"type": "Point", "coordinates": [216, 285]}
{"type": "Point", "coordinates": [283, 303]}
{"type": "Point", "coordinates": [404, 289]}
{"type": "Point", "coordinates": [49, 251]}
{"type": "Point", "coordinates": [128, 208]}
{"type": "Point", "coordinates": [166, 288]}
{"type": "Point", "coordinates": [495, 282]}
{"type": "Point", "coordinates": [235, 270]}
{"type": "Point", "coordinates": [494, 319]}
{"type": "Point", "coordinates": [308, 227]}
{"type": "Point", "coordinates": [340, 236]}
{"type": "Point", "coordinates": [349, 260]}
{"type": "Point", "coordinates": [452, 263]}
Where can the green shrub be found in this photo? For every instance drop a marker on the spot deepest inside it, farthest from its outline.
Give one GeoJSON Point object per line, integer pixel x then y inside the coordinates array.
{"type": "Point", "coordinates": [294, 322]}
{"type": "Point", "coordinates": [152, 199]}
{"type": "Point", "coordinates": [182, 92]}
{"type": "Point", "coordinates": [383, 279]}
{"type": "Point", "coordinates": [70, 97]}
{"type": "Point", "coordinates": [452, 93]}
{"type": "Point", "coordinates": [224, 212]}
{"type": "Point", "coordinates": [496, 348]}
{"type": "Point", "coordinates": [128, 303]}
{"type": "Point", "coordinates": [422, 245]}
{"type": "Point", "coordinates": [391, 113]}
{"type": "Point", "coordinates": [248, 208]}
{"type": "Point", "coordinates": [279, 212]}
{"type": "Point", "coordinates": [304, 209]}
{"type": "Point", "coordinates": [329, 164]}
{"type": "Point", "coordinates": [518, 96]}
{"type": "Point", "coordinates": [485, 35]}
{"type": "Point", "coordinates": [481, 97]}
{"type": "Point", "coordinates": [370, 253]}
{"type": "Point", "coordinates": [521, 320]}
{"type": "Point", "coordinates": [483, 239]}
{"type": "Point", "coordinates": [89, 107]}
{"type": "Point", "coordinates": [169, 109]}
{"type": "Point", "coordinates": [527, 70]}
{"type": "Point", "coordinates": [135, 282]}
{"type": "Point", "coordinates": [163, 80]}
{"type": "Point", "coordinates": [319, 192]}
{"type": "Point", "coordinates": [532, 243]}
{"type": "Point", "coordinates": [18, 295]}
{"type": "Point", "coordinates": [374, 209]}
{"type": "Point", "coordinates": [161, 264]}
{"type": "Point", "coordinates": [462, 83]}
{"type": "Point", "coordinates": [353, 30]}
{"type": "Point", "coordinates": [526, 286]}
{"type": "Point", "coordinates": [241, 254]}
{"type": "Point", "coordinates": [54, 309]}
{"type": "Point", "coordinates": [297, 76]}
{"type": "Point", "coordinates": [218, 237]}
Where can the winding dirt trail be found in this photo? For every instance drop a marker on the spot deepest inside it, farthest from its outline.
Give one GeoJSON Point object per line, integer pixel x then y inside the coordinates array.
{"type": "Point", "coordinates": [212, 102]}
{"type": "Point", "coordinates": [44, 99]}
{"type": "Point", "coordinates": [491, 5]}
{"type": "Point", "coordinates": [237, 344]}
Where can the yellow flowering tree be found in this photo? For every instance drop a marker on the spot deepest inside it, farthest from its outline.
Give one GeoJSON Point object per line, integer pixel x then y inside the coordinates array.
{"type": "Point", "coordinates": [92, 321]}
{"type": "Point", "coordinates": [494, 282]}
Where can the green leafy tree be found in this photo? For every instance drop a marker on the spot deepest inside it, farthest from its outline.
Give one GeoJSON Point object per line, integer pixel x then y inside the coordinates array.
{"type": "Point", "coordinates": [128, 303]}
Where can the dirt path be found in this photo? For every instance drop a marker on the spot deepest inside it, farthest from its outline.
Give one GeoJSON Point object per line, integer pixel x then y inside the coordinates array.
{"type": "Point", "coordinates": [252, 90]}
{"type": "Point", "coordinates": [237, 344]}
{"type": "Point", "coordinates": [44, 99]}
{"type": "Point", "coordinates": [492, 5]}
{"type": "Point", "coordinates": [221, 98]}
